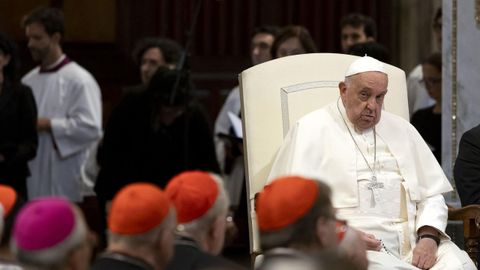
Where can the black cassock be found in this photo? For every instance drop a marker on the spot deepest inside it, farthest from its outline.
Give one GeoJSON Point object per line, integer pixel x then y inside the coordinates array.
{"type": "Point", "coordinates": [134, 151]}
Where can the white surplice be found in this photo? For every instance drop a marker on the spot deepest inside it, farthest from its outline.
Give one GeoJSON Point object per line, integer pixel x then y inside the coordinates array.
{"type": "Point", "coordinates": [418, 97]}
{"type": "Point", "coordinates": [319, 146]}
{"type": "Point", "coordinates": [234, 181]}
{"type": "Point", "coordinates": [70, 97]}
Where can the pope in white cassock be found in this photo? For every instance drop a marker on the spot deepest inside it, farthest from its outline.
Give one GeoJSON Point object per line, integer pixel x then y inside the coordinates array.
{"type": "Point", "coordinates": [69, 109]}
{"type": "Point", "coordinates": [385, 180]}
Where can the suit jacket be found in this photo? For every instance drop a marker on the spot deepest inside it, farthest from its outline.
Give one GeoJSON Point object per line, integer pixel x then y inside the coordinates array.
{"type": "Point", "coordinates": [189, 257]}
{"type": "Point", "coordinates": [467, 167]}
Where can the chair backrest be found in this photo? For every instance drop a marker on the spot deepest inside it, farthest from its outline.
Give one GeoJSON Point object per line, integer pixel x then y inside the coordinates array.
{"type": "Point", "coordinates": [277, 93]}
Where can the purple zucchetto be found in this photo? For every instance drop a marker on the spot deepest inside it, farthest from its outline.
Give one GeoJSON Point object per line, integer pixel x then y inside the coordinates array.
{"type": "Point", "coordinates": [43, 223]}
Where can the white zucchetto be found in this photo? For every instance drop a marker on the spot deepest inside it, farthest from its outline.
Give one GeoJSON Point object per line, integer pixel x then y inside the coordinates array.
{"type": "Point", "coordinates": [365, 64]}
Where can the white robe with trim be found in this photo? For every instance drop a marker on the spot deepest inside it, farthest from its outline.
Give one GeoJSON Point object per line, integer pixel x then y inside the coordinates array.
{"type": "Point", "coordinates": [319, 146]}
{"type": "Point", "coordinates": [71, 99]}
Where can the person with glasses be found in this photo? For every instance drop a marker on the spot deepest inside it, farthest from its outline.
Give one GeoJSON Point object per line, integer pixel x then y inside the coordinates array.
{"type": "Point", "coordinates": [229, 147]}
{"type": "Point", "coordinates": [296, 220]}
{"type": "Point", "coordinates": [292, 40]}
{"type": "Point", "coordinates": [428, 121]}
{"type": "Point", "coordinates": [418, 97]}
{"type": "Point", "coordinates": [202, 204]}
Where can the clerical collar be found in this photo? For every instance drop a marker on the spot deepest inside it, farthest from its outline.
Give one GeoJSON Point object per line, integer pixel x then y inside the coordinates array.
{"type": "Point", "coordinates": [62, 61]}
{"type": "Point", "coordinates": [186, 241]}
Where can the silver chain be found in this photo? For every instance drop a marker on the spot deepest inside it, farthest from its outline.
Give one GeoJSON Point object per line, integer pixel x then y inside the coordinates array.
{"type": "Point", "coordinates": [385, 248]}
{"type": "Point", "coordinates": [374, 178]}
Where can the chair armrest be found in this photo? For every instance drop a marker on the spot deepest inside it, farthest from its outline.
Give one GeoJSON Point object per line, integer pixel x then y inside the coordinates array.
{"type": "Point", "coordinates": [470, 215]}
{"type": "Point", "coordinates": [464, 213]}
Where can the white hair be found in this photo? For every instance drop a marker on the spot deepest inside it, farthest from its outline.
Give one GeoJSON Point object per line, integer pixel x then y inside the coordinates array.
{"type": "Point", "coordinates": [56, 256]}
{"type": "Point", "coordinates": [201, 225]}
{"type": "Point", "coordinates": [302, 233]}
{"type": "Point", "coordinates": [141, 240]}
{"type": "Point", "coordinates": [348, 80]}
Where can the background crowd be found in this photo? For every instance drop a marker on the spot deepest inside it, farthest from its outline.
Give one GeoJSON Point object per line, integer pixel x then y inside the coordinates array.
{"type": "Point", "coordinates": [157, 184]}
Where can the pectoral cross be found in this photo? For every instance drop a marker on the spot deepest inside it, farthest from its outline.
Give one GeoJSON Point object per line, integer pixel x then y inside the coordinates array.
{"type": "Point", "coordinates": [373, 186]}
{"type": "Point", "coordinates": [374, 183]}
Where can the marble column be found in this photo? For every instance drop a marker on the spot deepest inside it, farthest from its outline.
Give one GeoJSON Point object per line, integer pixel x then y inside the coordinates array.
{"type": "Point", "coordinates": [461, 77]}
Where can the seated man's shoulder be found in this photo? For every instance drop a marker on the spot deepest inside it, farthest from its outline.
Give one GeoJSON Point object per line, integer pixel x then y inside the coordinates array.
{"type": "Point", "coordinates": [394, 119]}
{"type": "Point", "coordinates": [473, 134]}
{"type": "Point", "coordinates": [318, 116]}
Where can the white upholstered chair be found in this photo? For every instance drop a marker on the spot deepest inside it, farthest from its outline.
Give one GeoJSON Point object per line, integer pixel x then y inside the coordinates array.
{"type": "Point", "coordinates": [277, 93]}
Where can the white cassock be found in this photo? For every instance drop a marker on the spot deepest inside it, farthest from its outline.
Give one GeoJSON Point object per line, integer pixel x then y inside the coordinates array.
{"type": "Point", "coordinates": [70, 97]}
{"type": "Point", "coordinates": [418, 97]}
{"type": "Point", "coordinates": [235, 180]}
{"type": "Point", "coordinates": [319, 146]}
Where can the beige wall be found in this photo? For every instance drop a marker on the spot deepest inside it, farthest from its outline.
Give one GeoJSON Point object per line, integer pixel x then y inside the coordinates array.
{"type": "Point", "coordinates": [85, 21]}
{"type": "Point", "coordinates": [11, 13]}
{"type": "Point", "coordinates": [460, 93]}
{"type": "Point", "coordinates": [90, 20]}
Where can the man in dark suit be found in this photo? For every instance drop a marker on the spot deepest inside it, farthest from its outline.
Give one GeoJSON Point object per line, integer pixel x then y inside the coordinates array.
{"type": "Point", "coordinates": [141, 222]}
{"type": "Point", "coordinates": [467, 167]}
{"type": "Point", "coordinates": [202, 205]}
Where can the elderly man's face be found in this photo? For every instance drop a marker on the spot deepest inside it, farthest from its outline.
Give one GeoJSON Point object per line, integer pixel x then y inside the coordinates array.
{"type": "Point", "coordinates": [362, 95]}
